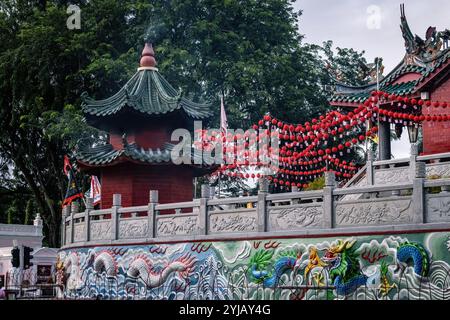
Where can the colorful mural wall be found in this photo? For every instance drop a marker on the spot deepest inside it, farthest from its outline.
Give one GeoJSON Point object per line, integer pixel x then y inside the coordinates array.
{"type": "Point", "coordinates": [410, 266]}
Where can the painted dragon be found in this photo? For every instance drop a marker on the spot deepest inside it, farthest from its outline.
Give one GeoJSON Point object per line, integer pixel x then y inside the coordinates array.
{"type": "Point", "coordinates": [142, 267]}
{"type": "Point", "coordinates": [261, 261]}
{"type": "Point", "coordinates": [414, 252]}
{"type": "Point", "coordinates": [344, 268]}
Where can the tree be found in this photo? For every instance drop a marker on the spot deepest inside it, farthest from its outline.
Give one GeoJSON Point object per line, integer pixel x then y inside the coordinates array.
{"type": "Point", "coordinates": [250, 51]}
{"type": "Point", "coordinates": [44, 68]}
{"type": "Point", "coordinates": [346, 65]}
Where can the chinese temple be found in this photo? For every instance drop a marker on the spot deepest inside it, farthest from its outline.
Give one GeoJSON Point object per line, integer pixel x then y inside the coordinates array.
{"type": "Point", "coordinates": [423, 74]}
{"type": "Point", "coordinates": [139, 120]}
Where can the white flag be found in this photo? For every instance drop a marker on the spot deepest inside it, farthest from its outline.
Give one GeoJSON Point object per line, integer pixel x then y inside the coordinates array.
{"type": "Point", "coordinates": [223, 117]}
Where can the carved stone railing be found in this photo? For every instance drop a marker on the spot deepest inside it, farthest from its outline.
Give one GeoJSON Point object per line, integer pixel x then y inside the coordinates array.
{"type": "Point", "coordinates": [398, 170]}
{"type": "Point", "coordinates": [416, 202]}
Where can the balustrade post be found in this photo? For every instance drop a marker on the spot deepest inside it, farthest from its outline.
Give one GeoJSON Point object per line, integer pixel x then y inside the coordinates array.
{"type": "Point", "coordinates": [65, 214]}
{"type": "Point", "coordinates": [418, 196]}
{"type": "Point", "coordinates": [261, 206]}
{"type": "Point", "coordinates": [295, 201]}
{"type": "Point", "coordinates": [117, 203]}
{"type": "Point", "coordinates": [151, 213]}
{"type": "Point", "coordinates": [74, 207]}
{"type": "Point", "coordinates": [87, 218]}
{"type": "Point", "coordinates": [412, 160]}
{"type": "Point", "coordinates": [328, 202]}
{"type": "Point", "coordinates": [212, 192]}
{"type": "Point", "coordinates": [203, 218]}
{"type": "Point", "coordinates": [369, 168]}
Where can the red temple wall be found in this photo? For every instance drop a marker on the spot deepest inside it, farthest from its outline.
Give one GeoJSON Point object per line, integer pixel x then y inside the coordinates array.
{"type": "Point", "coordinates": [134, 182]}
{"type": "Point", "coordinates": [436, 136]}
{"type": "Point", "coordinates": [407, 77]}
{"type": "Point", "coordinates": [154, 137]}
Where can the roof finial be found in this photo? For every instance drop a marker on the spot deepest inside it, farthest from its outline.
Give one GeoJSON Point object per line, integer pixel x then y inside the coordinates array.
{"type": "Point", "coordinates": [148, 56]}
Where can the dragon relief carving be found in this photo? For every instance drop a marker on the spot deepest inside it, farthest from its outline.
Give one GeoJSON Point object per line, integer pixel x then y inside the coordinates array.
{"type": "Point", "coordinates": [296, 218]}
{"type": "Point", "coordinates": [373, 213]}
{"type": "Point", "coordinates": [133, 228]}
{"type": "Point", "coordinates": [100, 230]}
{"type": "Point", "coordinates": [78, 232]}
{"type": "Point", "coordinates": [177, 226]}
{"type": "Point", "coordinates": [441, 170]}
{"type": "Point", "coordinates": [392, 176]}
{"type": "Point", "coordinates": [233, 222]}
{"type": "Point", "coordinates": [438, 209]}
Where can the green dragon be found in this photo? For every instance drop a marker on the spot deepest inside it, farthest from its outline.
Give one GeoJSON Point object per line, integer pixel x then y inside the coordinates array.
{"type": "Point", "coordinates": [344, 268]}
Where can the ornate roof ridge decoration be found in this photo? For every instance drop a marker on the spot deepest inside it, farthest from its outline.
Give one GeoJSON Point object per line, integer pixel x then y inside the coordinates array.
{"type": "Point", "coordinates": [422, 52]}
{"type": "Point", "coordinates": [423, 57]}
{"type": "Point", "coordinates": [147, 92]}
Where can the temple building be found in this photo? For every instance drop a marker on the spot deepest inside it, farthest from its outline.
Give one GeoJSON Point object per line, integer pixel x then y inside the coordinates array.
{"type": "Point", "coordinates": [139, 120]}
{"type": "Point", "coordinates": [423, 73]}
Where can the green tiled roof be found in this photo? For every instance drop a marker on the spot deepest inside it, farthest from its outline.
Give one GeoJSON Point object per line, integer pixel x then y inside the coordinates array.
{"type": "Point", "coordinates": [399, 89]}
{"type": "Point", "coordinates": [146, 92]}
{"type": "Point", "coordinates": [106, 154]}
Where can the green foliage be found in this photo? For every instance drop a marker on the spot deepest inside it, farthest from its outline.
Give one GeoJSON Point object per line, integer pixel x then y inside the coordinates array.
{"type": "Point", "coordinates": [317, 184]}
{"type": "Point", "coordinates": [384, 269]}
{"type": "Point", "coordinates": [11, 212]}
{"type": "Point", "coordinates": [350, 64]}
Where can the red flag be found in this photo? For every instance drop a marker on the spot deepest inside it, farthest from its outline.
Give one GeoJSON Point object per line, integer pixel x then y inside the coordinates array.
{"type": "Point", "coordinates": [67, 165]}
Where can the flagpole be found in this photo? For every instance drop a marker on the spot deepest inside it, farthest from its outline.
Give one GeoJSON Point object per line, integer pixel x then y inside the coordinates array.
{"type": "Point", "coordinates": [378, 105]}
{"type": "Point", "coordinates": [223, 129]}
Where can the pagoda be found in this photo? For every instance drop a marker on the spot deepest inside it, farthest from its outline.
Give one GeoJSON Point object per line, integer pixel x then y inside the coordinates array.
{"type": "Point", "coordinates": [423, 73]}
{"type": "Point", "coordinates": [139, 120]}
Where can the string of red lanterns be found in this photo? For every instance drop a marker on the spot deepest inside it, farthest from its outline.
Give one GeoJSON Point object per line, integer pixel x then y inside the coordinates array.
{"type": "Point", "coordinates": [306, 144]}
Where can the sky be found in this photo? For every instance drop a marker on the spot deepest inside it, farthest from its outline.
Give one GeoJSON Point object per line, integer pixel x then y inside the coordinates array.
{"type": "Point", "coordinates": [372, 26]}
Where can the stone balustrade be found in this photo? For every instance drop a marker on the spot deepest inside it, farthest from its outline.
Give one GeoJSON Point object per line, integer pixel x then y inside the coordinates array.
{"type": "Point", "coordinates": [415, 203]}
{"type": "Point", "coordinates": [400, 170]}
